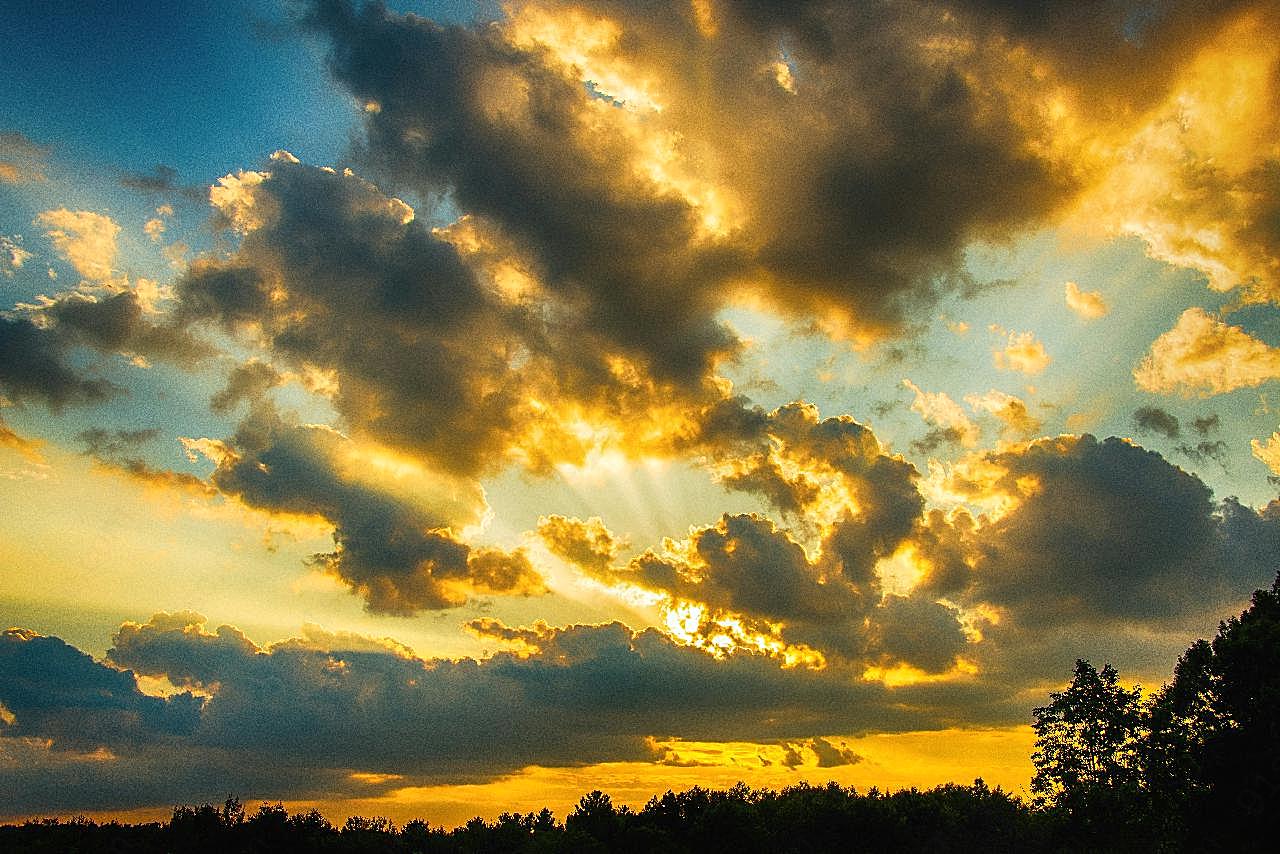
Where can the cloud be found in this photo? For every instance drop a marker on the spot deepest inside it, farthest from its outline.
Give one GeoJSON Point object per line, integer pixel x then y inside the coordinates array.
{"type": "Point", "coordinates": [28, 448]}
{"type": "Point", "coordinates": [679, 149]}
{"type": "Point", "coordinates": [1153, 419]}
{"type": "Point", "coordinates": [394, 537]}
{"type": "Point", "coordinates": [21, 160]}
{"type": "Point", "coordinates": [1010, 409]}
{"type": "Point", "coordinates": [106, 443]}
{"type": "Point", "coordinates": [1105, 532]}
{"type": "Point", "coordinates": [1197, 177]}
{"type": "Point", "coordinates": [247, 382]}
{"type": "Point", "coordinates": [115, 451]}
{"type": "Point", "coordinates": [1204, 451]}
{"type": "Point", "coordinates": [433, 346]}
{"type": "Point", "coordinates": [119, 321]}
{"type": "Point", "coordinates": [162, 181]}
{"type": "Point", "coordinates": [33, 367]}
{"type": "Point", "coordinates": [744, 583]}
{"type": "Point", "coordinates": [831, 756]}
{"type": "Point", "coordinates": [1022, 352]}
{"type": "Point", "coordinates": [821, 472]}
{"type": "Point", "coordinates": [294, 718]}
{"type": "Point", "coordinates": [588, 545]}
{"type": "Point", "coordinates": [54, 691]}
{"type": "Point", "coordinates": [939, 409]}
{"type": "Point", "coordinates": [1203, 355]}
{"type": "Point", "coordinates": [12, 255]}
{"type": "Point", "coordinates": [1089, 305]}
{"type": "Point", "coordinates": [1206, 424]}
{"type": "Point", "coordinates": [1268, 452]}
{"type": "Point", "coordinates": [87, 240]}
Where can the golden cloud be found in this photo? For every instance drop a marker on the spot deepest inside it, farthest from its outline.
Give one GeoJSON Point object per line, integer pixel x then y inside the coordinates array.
{"type": "Point", "coordinates": [1203, 355]}
{"type": "Point", "coordinates": [87, 240]}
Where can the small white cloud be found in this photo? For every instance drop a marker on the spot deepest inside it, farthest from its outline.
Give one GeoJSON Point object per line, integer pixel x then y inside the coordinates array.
{"type": "Point", "coordinates": [1021, 352]}
{"type": "Point", "coordinates": [1087, 304]}
{"type": "Point", "coordinates": [12, 255]}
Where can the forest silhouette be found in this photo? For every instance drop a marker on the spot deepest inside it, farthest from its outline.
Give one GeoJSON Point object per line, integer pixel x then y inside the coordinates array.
{"type": "Point", "coordinates": [1192, 767]}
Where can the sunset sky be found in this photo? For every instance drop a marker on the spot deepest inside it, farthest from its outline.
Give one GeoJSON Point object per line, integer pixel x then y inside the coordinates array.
{"type": "Point", "coordinates": [441, 408]}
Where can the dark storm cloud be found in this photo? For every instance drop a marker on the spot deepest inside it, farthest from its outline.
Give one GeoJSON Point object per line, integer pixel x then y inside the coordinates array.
{"type": "Point", "coordinates": [55, 691]}
{"type": "Point", "coordinates": [33, 367]}
{"type": "Point", "coordinates": [855, 192]}
{"type": "Point", "coordinates": [571, 202]}
{"type": "Point", "coordinates": [338, 279]}
{"type": "Point", "coordinates": [36, 346]}
{"type": "Point", "coordinates": [1153, 419]}
{"type": "Point", "coordinates": [294, 719]}
{"type": "Point", "coordinates": [247, 382]}
{"type": "Point", "coordinates": [399, 554]}
{"type": "Point", "coordinates": [1107, 532]}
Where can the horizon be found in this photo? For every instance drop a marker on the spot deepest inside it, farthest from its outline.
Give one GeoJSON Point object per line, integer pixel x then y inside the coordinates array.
{"type": "Point", "coordinates": [445, 408]}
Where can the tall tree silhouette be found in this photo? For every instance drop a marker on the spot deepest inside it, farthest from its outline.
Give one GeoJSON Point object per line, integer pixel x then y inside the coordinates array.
{"type": "Point", "coordinates": [1213, 755]}
{"type": "Point", "coordinates": [1087, 760]}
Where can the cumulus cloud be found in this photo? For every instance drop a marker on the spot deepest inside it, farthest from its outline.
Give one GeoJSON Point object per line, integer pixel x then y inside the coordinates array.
{"type": "Point", "coordinates": [87, 240]}
{"type": "Point", "coordinates": [1009, 409]}
{"type": "Point", "coordinates": [1021, 352]}
{"type": "Point", "coordinates": [247, 382]}
{"type": "Point", "coordinates": [395, 537]}
{"type": "Point", "coordinates": [1197, 178]}
{"type": "Point", "coordinates": [1106, 532]}
{"type": "Point", "coordinates": [816, 468]}
{"type": "Point", "coordinates": [1089, 305]}
{"type": "Point", "coordinates": [588, 545]}
{"type": "Point", "coordinates": [55, 691]}
{"type": "Point", "coordinates": [681, 149]}
{"type": "Point", "coordinates": [1203, 355]}
{"type": "Point", "coordinates": [433, 346]}
{"type": "Point", "coordinates": [939, 409]}
{"type": "Point", "coordinates": [33, 367]}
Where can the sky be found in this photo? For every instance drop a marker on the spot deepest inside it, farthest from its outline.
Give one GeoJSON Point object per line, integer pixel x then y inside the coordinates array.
{"type": "Point", "coordinates": [437, 409]}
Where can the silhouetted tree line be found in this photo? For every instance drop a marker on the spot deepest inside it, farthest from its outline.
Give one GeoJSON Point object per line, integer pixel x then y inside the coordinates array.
{"type": "Point", "coordinates": [1192, 768]}
{"type": "Point", "coordinates": [1195, 767]}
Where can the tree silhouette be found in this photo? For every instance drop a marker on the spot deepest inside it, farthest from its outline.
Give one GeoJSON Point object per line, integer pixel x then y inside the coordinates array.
{"type": "Point", "coordinates": [1213, 755]}
{"type": "Point", "coordinates": [1087, 759]}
